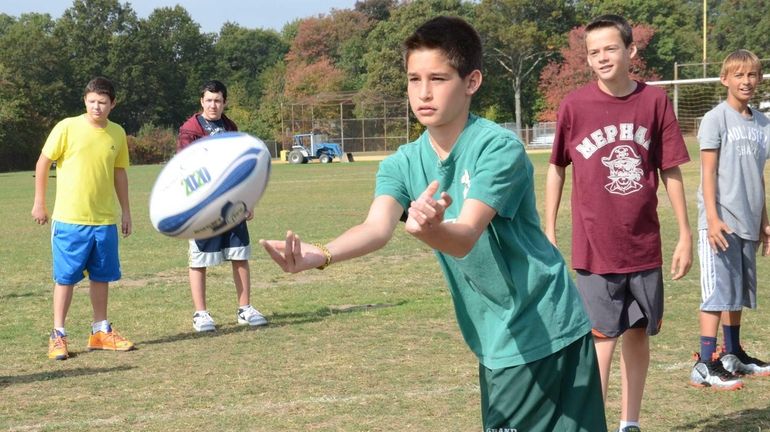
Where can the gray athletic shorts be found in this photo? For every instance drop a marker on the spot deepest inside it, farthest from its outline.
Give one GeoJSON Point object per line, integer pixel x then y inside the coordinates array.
{"type": "Point", "coordinates": [233, 245]}
{"type": "Point", "coordinates": [728, 279]}
{"type": "Point", "coordinates": [618, 302]}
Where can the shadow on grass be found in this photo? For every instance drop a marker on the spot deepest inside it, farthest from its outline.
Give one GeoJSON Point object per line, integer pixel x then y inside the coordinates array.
{"type": "Point", "coordinates": [276, 320]}
{"type": "Point", "coordinates": [6, 381]}
{"type": "Point", "coordinates": [750, 420]}
{"type": "Point", "coordinates": [20, 295]}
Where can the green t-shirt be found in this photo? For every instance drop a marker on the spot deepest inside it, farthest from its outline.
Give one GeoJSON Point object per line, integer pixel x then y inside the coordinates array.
{"type": "Point", "coordinates": [513, 295]}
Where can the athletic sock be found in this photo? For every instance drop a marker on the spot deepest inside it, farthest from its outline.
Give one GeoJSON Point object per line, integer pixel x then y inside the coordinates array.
{"type": "Point", "coordinates": [61, 331]}
{"type": "Point", "coordinates": [708, 345]}
{"type": "Point", "coordinates": [732, 336]}
{"type": "Point", "coordinates": [624, 423]}
{"type": "Point", "coordinates": [101, 326]}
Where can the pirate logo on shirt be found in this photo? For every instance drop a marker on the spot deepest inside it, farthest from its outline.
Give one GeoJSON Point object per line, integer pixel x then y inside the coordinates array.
{"type": "Point", "coordinates": [625, 173]}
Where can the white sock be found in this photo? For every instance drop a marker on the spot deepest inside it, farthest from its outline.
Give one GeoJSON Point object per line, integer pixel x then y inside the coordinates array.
{"type": "Point", "coordinates": [624, 423]}
{"type": "Point", "coordinates": [61, 330]}
{"type": "Point", "coordinates": [101, 326]}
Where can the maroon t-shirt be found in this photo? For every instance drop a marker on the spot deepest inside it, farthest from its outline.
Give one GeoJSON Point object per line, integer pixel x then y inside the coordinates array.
{"type": "Point", "coordinates": [616, 147]}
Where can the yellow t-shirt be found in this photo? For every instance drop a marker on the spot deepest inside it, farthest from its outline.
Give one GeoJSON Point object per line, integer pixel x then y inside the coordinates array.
{"type": "Point", "coordinates": [86, 157]}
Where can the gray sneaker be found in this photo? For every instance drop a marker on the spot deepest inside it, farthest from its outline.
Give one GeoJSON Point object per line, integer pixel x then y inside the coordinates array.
{"type": "Point", "coordinates": [740, 363]}
{"type": "Point", "coordinates": [713, 374]}
{"type": "Point", "coordinates": [202, 322]}
{"type": "Point", "coordinates": [249, 315]}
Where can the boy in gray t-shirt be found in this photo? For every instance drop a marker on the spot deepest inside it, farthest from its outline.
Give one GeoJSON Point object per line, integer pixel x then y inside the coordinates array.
{"type": "Point", "coordinates": [732, 220]}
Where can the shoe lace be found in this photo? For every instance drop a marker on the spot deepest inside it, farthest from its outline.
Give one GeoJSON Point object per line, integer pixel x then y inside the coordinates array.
{"type": "Point", "coordinates": [58, 342]}
{"type": "Point", "coordinates": [113, 337]}
{"type": "Point", "coordinates": [715, 368]}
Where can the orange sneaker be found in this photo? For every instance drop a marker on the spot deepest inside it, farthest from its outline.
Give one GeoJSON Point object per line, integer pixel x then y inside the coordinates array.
{"type": "Point", "coordinates": [111, 341]}
{"type": "Point", "coordinates": [57, 346]}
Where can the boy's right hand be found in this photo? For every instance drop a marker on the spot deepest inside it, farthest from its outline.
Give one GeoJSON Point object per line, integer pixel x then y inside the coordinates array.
{"type": "Point", "coordinates": [716, 239]}
{"type": "Point", "coordinates": [40, 214]}
{"type": "Point", "coordinates": [292, 255]}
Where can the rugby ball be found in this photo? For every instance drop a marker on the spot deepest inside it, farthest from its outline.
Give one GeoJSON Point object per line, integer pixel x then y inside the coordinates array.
{"type": "Point", "coordinates": [208, 188]}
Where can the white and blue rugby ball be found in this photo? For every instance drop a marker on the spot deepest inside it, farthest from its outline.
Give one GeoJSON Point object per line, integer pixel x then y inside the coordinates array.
{"type": "Point", "coordinates": [207, 188]}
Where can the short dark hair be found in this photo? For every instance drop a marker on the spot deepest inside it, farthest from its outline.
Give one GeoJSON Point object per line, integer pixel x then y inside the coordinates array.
{"type": "Point", "coordinates": [102, 86]}
{"type": "Point", "coordinates": [214, 86]}
{"type": "Point", "coordinates": [615, 21]}
{"type": "Point", "coordinates": [457, 39]}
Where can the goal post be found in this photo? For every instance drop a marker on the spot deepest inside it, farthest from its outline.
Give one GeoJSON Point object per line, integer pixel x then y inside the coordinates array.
{"type": "Point", "coordinates": [692, 98]}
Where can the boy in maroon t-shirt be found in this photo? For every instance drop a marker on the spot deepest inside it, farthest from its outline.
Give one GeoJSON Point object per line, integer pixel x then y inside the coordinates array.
{"type": "Point", "coordinates": [618, 134]}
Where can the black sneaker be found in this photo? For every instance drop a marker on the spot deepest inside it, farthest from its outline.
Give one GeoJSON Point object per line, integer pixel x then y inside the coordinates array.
{"type": "Point", "coordinates": [741, 363]}
{"type": "Point", "coordinates": [713, 374]}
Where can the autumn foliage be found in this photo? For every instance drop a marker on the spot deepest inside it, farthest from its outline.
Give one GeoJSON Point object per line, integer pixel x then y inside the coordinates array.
{"type": "Point", "coordinates": [560, 78]}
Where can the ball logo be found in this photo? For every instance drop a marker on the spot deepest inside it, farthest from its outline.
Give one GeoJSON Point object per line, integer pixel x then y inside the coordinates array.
{"type": "Point", "coordinates": [198, 178]}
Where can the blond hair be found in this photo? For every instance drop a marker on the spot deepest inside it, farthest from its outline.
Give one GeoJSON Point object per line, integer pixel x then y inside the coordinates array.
{"type": "Point", "coordinates": [738, 59]}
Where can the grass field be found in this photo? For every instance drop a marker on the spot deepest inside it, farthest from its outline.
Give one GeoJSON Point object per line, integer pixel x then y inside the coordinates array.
{"type": "Point", "coordinates": [365, 345]}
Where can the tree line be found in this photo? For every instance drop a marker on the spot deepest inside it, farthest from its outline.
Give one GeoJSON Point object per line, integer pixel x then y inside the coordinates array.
{"type": "Point", "coordinates": [532, 57]}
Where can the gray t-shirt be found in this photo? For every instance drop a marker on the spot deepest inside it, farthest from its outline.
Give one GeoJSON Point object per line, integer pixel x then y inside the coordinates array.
{"type": "Point", "coordinates": [743, 149]}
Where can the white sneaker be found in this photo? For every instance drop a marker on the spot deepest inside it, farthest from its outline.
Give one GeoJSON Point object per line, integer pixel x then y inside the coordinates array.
{"type": "Point", "coordinates": [249, 315]}
{"type": "Point", "coordinates": [202, 322]}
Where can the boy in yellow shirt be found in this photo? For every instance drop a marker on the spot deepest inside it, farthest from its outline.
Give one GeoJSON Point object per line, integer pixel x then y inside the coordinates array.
{"type": "Point", "coordinates": [91, 155]}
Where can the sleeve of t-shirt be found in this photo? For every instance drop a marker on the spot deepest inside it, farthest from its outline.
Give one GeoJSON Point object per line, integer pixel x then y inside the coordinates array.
{"type": "Point", "coordinates": [674, 150]}
{"type": "Point", "coordinates": [122, 159]}
{"type": "Point", "coordinates": [710, 132]}
{"type": "Point", "coordinates": [502, 176]}
{"type": "Point", "coordinates": [391, 179]}
{"type": "Point", "coordinates": [55, 143]}
{"type": "Point", "coordinates": [560, 149]}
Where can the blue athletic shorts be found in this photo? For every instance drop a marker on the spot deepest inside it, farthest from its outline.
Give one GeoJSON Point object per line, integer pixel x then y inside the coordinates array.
{"type": "Point", "coordinates": [80, 250]}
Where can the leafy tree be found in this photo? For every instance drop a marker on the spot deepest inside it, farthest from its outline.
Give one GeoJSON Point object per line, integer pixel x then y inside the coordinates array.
{"type": "Point", "coordinates": [160, 69]}
{"type": "Point", "coordinates": [520, 35]}
{"type": "Point", "coordinates": [383, 59]}
{"type": "Point", "coordinates": [559, 78]}
{"type": "Point", "coordinates": [88, 30]}
{"type": "Point", "coordinates": [333, 43]}
{"type": "Point", "coordinates": [33, 74]}
{"type": "Point", "coordinates": [378, 10]}
{"type": "Point", "coordinates": [308, 80]}
{"type": "Point", "coordinates": [740, 24]}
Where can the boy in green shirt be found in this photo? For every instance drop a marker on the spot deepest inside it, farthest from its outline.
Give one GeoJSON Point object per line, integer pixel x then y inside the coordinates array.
{"type": "Point", "coordinates": [516, 305]}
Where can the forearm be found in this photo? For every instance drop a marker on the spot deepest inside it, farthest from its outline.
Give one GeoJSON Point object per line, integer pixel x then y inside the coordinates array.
{"type": "Point", "coordinates": [42, 167]}
{"type": "Point", "coordinates": [554, 184]}
{"type": "Point", "coordinates": [121, 189]}
{"type": "Point", "coordinates": [709, 162]}
{"type": "Point", "coordinates": [674, 184]}
{"type": "Point", "coordinates": [456, 239]}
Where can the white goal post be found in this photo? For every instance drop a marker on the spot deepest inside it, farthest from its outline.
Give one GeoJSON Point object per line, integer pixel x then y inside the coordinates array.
{"type": "Point", "coordinates": [694, 97]}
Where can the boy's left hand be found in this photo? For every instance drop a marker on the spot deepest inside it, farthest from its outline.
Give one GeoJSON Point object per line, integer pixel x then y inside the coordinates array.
{"type": "Point", "coordinates": [764, 238]}
{"type": "Point", "coordinates": [125, 225]}
{"type": "Point", "coordinates": [427, 213]}
{"type": "Point", "coordinates": [682, 259]}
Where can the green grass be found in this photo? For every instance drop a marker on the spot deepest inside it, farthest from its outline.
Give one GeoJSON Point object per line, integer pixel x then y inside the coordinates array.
{"type": "Point", "coordinates": [366, 345]}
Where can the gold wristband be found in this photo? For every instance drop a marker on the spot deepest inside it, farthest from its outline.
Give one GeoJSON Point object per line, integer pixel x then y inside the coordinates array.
{"type": "Point", "coordinates": [326, 253]}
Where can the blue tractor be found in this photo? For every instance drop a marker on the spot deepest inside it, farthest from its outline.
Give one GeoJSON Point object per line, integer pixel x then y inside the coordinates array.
{"type": "Point", "coordinates": [313, 146]}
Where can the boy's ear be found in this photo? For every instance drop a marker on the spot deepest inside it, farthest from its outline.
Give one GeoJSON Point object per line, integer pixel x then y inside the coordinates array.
{"type": "Point", "coordinates": [632, 50]}
{"type": "Point", "coordinates": [473, 82]}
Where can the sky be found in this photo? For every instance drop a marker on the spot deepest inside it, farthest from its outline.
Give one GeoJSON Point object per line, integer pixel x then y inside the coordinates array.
{"type": "Point", "coordinates": [210, 14]}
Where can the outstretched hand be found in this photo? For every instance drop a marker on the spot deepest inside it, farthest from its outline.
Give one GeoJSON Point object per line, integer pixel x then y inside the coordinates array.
{"type": "Point", "coordinates": [292, 255]}
{"type": "Point", "coordinates": [427, 213]}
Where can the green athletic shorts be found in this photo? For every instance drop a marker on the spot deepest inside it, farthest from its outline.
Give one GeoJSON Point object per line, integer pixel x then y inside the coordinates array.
{"type": "Point", "coordinates": [561, 392]}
